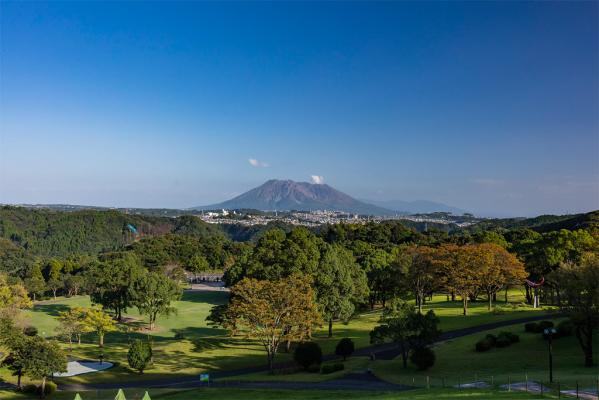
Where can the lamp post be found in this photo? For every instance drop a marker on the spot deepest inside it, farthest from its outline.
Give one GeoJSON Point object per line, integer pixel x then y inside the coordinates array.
{"type": "Point", "coordinates": [549, 332]}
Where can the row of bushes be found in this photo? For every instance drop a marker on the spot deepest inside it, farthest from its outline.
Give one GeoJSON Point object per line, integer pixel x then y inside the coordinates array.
{"type": "Point", "coordinates": [563, 329]}
{"type": "Point", "coordinates": [49, 388]}
{"type": "Point", "coordinates": [503, 339]}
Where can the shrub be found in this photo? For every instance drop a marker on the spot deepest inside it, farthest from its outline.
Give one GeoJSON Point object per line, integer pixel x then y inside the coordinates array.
{"type": "Point", "coordinates": [505, 339]}
{"type": "Point", "coordinates": [544, 325]}
{"type": "Point", "coordinates": [32, 389]}
{"type": "Point", "coordinates": [330, 368]}
{"type": "Point", "coordinates": [345, 348]}
{"type": "Point", "coordinates": [314, 368]}
{"type": "Point", "coordinates": [307, 354]}
{"type": "Point", "coordinates": [491, 338]}
{"type": "Point", "coordinates": [423, 358]}
{"type": "Point", "coordinates": [531, 327]}
{"type": "Point", "coordinates": [30, 331]}
{"type": "Point", "coordinates": [49, 388]}
{"type": "Point", "coordinates": [483, 345]}
{"type": "Point", "coordinates": [564, 328]}
{"type": "Point", "coordinates": [140, 355]}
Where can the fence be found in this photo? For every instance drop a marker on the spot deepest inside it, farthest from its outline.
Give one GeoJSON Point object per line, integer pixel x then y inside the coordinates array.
{"type": "Point", "coordinates": [570, 388]}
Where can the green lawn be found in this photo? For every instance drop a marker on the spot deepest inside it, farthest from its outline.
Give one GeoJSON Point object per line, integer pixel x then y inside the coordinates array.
{"type": "Point", "coordinates": [457, 362]}
{"type": "Point", "coordinates": [184, 344]}
{"type": "Point", "coordinates": [252, 394]}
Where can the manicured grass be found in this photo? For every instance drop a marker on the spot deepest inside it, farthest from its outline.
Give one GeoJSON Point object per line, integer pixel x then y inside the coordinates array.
{"type": "Point", "coordinates": [184, 344]}
{"type": "Point", "coordinates": [457, 362]}
{"type": "Point", "coordinates": [252, 394]}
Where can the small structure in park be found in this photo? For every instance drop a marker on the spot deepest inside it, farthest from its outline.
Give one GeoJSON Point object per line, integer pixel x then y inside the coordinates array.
{"type": "Point", "coordinates": [535, 286]}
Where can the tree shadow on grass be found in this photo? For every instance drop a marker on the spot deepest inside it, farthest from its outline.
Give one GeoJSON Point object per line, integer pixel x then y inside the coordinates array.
{"type": "Point", "coordinates": [214, 298]}
{"type": "Point", "coordinates": [51, 309]}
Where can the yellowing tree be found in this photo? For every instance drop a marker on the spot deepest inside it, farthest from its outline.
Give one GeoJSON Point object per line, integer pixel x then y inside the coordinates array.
{"type": "Point", "coordinates": [497, 269]}
{"type": "Point", "coordinates": [274, 311]}
{"type": "Point", "coordinates": [13, 297]}
{"type": "Point", "coordinates": [98, 321]}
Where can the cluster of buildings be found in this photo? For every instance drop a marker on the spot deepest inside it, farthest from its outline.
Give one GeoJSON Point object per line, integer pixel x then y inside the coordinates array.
{"type": "Point", "coordinates": [321, 217]}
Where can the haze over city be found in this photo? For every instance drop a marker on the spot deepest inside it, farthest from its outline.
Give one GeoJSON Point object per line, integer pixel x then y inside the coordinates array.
{"type": "Point", "coordinates": [491, 107]}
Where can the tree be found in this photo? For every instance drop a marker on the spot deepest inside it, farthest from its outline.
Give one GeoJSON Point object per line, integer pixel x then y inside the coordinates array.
{"type": "Point", "coordinates": [73, 284]}
{"type": "Point", "coordinates": [139, 355]}
{"type": "Point", "coordinates": [55, 280]}
{"type": "Point", "coordinates": [422, 273]}
{"type": "Point", "coordinates": [13, 297]}
{"type": "Point", "coordinates": [44, 357]}
{"type": "Point", "coordinates": [461, 270]}
{"type": "Point", "coordinates": [498, 269]}
{"type": "Point", "coordinates": [16, 342]}
{"type": "Point", "coordinates": [345, 348]}
{"type": "Point", "coordinates": [197, 264]}
{"type": "Point", "coordinates": [112, 281]}
{"type": "Point", "coordinates": [35, 282]}
{"type": "Point", "coordinates": [154, 293]}
{"type": "Point", "coordinates": [307, 354]}
{"type": "Point", "coordinates": [98, 321]}
{"type": "Point", "coordinates": [274, 311]}
{"type": "Point", "coordinates": [340, 284]}
{"type": "Point", "coordinates": [405, 327]}
{"type": "Point", "coordinates": [581, 297]}
{"type": "Point", "coordinates": [72, 324]}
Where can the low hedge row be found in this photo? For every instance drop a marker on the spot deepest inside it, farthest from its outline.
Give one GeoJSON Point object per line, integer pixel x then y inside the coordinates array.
{"type": "Point", "coordinates": [503, 339]}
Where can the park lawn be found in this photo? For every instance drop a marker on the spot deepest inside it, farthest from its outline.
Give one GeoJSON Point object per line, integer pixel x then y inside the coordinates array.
{"type": "Point", "coordinates": [458, 362]}
{"type": "Point", "coordinates": [271, 394]}
{"type": "Point", "coordinates": [353, 364]}
{"type": "Point", "coordinates": [184, 344]}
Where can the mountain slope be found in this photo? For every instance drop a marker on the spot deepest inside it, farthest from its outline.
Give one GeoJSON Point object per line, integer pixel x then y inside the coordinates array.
{"type": "Point", "coordinates": [301, 196]}
{"type": "Point", "coordinates": [416, 207]}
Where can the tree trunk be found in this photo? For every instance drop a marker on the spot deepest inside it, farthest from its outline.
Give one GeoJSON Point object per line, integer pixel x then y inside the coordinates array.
{"type": "Point", "coordinates": [19, 374]}
{"type": "Point", "coordinates": [404, 355]}
{"type": "Point", "coordinates": [490, 298]}
{"type": "Point", "coordinates": [330, 327]}
{"type": "Point", "coordinates": [79, 339]}
{"type": "Point", "coordinates": [506, 299]}
{"type": "Point", "coordinates": [43, 387]}
{"type": "Point", "coordinates": [54, 293]}
{"type": "Point", "coordinates": [452, 295]}
{"type": "Point", "coordinates": [270, 357]}
{"type": "Point", "coordinates": [465, 304]}
{"type": "Point", "coordinates": [101, 340]}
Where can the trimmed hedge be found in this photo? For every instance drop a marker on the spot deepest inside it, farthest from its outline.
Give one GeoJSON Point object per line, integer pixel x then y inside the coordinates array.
{"type": "Point", "coordinates": [330, 368]}
{"type": "Point", "coordinates": [423, 358]}
{"type": "Point", "coordinates": [503, 339]}
{"type": "Point", "coordinates": [307, 354]}
{"type": "Point", "coordinates": [564, 328]}
{"type": "Point", "coordinates": [483, 345]}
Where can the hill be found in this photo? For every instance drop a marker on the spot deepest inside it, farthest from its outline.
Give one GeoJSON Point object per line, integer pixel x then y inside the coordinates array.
{"type": "Point", "coordinates": [300, 196]}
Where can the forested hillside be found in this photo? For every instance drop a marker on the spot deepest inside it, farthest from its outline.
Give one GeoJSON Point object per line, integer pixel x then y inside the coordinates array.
{"type": "Point", "coordinates": [543, 223]}
{"type": "Point", "coordinates": [43, 232]}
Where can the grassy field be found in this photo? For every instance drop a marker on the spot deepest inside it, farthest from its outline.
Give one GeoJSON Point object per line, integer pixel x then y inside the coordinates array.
{"type": "Point", "coordinates": [251, 394]}
{"type": "Point", "coordinates": [184, 344]}
{"type": "Point", "coordinates": [457, 362]}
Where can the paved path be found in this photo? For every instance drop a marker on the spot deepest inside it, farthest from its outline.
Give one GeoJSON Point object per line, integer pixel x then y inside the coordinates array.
{"type": "Point", "coordinates": [363, 381]}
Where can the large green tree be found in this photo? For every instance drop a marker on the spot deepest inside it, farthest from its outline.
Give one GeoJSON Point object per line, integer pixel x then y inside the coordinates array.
{"type": "Point", "coordinates": [112, 281]}
{"type": "Point", "coordinates": [340, 284]}
{"type": "Point", "coordinates": [154, 293]}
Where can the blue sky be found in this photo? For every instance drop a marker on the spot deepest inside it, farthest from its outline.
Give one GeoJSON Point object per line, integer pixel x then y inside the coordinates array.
{"type": "Point", "coordinates": [490, 107]}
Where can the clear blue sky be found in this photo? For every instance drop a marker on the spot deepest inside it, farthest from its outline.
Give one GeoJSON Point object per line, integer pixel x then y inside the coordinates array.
{"type": "Point", "coordinates": [491, 107]}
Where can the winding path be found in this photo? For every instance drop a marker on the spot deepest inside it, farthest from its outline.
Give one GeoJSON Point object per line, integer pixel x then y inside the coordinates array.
{"type": "Point", "coordinates": [351, 381]}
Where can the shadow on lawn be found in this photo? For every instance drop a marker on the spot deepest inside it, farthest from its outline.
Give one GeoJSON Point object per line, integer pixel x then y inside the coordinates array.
{"type": "Point", "coordinates": [213, 298]}
{"type": "Point", "coordinates": [51, 309]}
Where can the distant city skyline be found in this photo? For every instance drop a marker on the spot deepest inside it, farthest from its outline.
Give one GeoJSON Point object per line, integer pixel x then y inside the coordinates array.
{"type": "Point", "coordinates": [491, 107]}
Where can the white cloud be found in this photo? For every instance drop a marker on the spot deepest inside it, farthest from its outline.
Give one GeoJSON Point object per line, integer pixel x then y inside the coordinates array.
{"type": "Point", "coordinates": [257, 163]}
{"type": "Point", "coordinates": [317, 179]}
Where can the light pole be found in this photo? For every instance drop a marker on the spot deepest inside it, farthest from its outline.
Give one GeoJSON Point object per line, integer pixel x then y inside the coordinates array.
{"type": "Point", "coordinates": [549, 332]}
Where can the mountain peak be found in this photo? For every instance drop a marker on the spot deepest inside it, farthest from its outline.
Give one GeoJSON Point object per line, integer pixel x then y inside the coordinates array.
{"type": "Point", "coordinates": [276, 194]}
